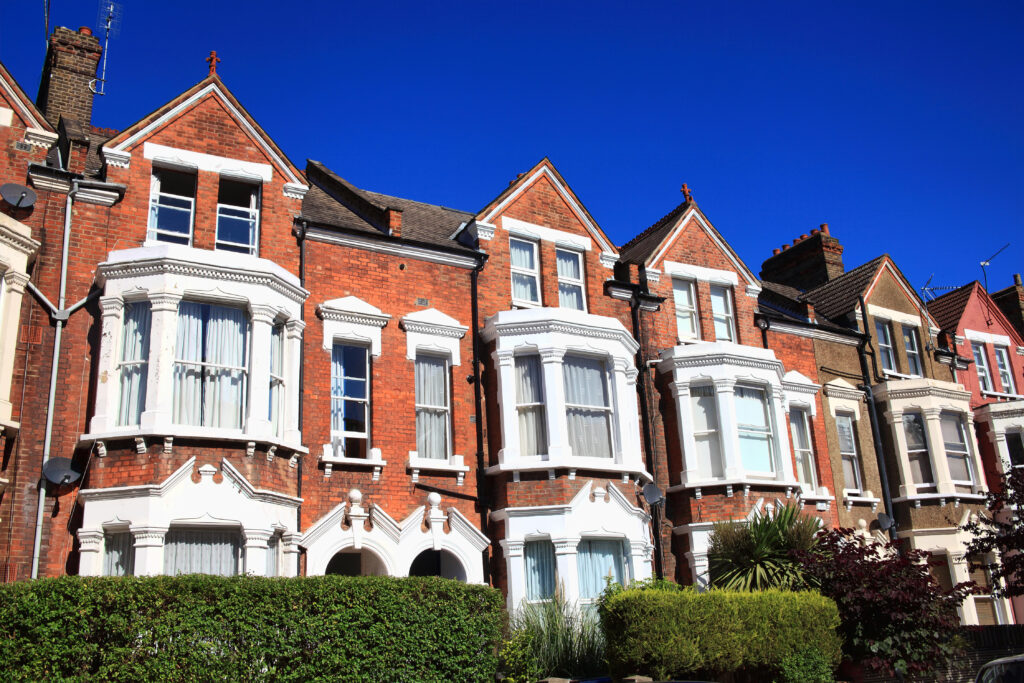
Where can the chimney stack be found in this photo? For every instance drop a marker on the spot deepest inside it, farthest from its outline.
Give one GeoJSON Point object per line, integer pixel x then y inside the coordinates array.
{"type": "Point", "coordinates": [70, 67]}
{"type": "Point", "coordinates": [811, 260]}
{"type": "Point", "coordinates": [1011, 303]}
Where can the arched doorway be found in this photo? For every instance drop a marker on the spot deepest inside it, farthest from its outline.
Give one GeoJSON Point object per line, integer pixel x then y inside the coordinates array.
{"type": "Point", "coordinates": [438, 563]}
{"type": "Point", "coordinates": [356, 563]}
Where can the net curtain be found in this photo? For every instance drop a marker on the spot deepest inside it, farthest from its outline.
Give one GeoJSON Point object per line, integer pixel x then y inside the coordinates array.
{"type": "Point", "coordinates": [588, 417]}
{"type": "Point", "coordinates": [596, 560]}
{"type": "Point", "coordinates": [524, 287]}
{"type": "Point", "coordinates": [540, 569]}
{"type": "Point", "coordinates": [530, 396]}
{"type": "Point", "coordinates": [134, 362]}
{"type": "Point", "coordinates": [431, 407]}
{"type": "Point", "coordinates": [209, 377]}
{"type": "Point", "coordinates": [201, 551]}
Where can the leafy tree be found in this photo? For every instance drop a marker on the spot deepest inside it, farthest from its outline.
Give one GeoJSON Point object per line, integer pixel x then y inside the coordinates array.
{"type": "Point", "coordinates": [1003, 532]}
{"type": "Point", "coordinates": [894, 617]}
{"type": "Point", "coordinates": [758, 554]}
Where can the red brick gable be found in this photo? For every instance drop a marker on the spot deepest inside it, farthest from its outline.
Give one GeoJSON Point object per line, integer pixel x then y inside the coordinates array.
{"type": "Point", "coordinates": [13, 97]}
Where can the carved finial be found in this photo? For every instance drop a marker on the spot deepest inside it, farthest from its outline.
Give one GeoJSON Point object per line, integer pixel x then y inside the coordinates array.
{"type": "Point", "coordinates": [212, 60]}
{"type": "Point", "coordinates": [685, 189]}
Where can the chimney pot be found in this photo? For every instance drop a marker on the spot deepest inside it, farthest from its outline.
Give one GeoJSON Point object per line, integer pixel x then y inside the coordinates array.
{"type": "Point", "coordinates": [815, 231]}
{"type": "Point", "coordinates": [804, 236]}
{"type": "Point", "coordinates": [776, 252]}
{"type": "Point", "coordinates": [85, 30]}
{"type": "Point", "coordinates": [795, 240]}
{"type": "Point", "coordinates": [1016, 279]}
{"type": "Point", "coordinates": [824, 228]}
{"type": "Point", "coordinates": [785, 247]}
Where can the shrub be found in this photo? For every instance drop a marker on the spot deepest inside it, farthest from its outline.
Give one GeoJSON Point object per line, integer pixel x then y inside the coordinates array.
{"type": "Point", "coordinates": [758, 554]}
{"type": "Point", "coordinates": [249, 628]}
{"type": "Point", "coordinates": [805, 666]}
{"type": "Point", "coordinates": [564, 639]}
{"type": "Point", "coordinates": [1002, 531]}
{"type": "Point", "coordinates": [895, 618]}
{"type": "Point", "coordinates": [663, 633]}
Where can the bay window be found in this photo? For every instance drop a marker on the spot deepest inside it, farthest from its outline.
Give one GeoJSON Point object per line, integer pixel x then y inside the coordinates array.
{"type": "Point", "coordinates": [134, 365]}
{"type": "Point", "coordinates": [704, 407]}
{"type": "Point", "coordinates": [237, 216]}
{"type": "Point", "coordinates": [202, 551]}
{"type": "Point", "coordinates": [172, 206]}
{"type": "Point", "coordinates": [525, 272]}
{"type": "Point", "coordinates": [1005, 370]}
{"type": "Point", "coordinates": [276, 407]}
{"type": "Point", "coordinates": [211, 365]}
{"type": "Point", "coordinates": [799, 427]}
{"type": "Point", "coordinates": [118, 554]}
{"type": "Point", "coordinates": [913, 349]}
{"type": "Point", "coordinates": [597, 559]}
{"type": "Point", "coordinates": [687, 321]}
{"type": "Point", "coordinates": [571, 290]}
{"type": "Point", "coordinates": [433, 423]}
{"type": "Point", "coordinates": [755, 431]}
{"type": "Point", "coordinates": [350, 400]}
{"type": "Point", "coordinates": [1015, 446]}
{"type": "Point", "coordinates": [917, 451]}
{"type": "Point", "coordinates": [885, 348]}
{"type": "Point", "coordinates": [957, 454]}
{"type": "Point", "coordinates": [848, 452]}
{"type": "Point", "coordinates": [722, 312]}
{"type": "Point", "coordinates": [539, 561]}
{"type": "Point", "coordinates": [587, 406]}
{"type": "Point", "coordinates": [981, 365]}
{"type": "Point", "coordinates": [532, 419]}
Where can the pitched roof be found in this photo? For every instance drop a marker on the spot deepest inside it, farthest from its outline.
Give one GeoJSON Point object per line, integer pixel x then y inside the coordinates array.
{"type": "Point", "coordinates": [28, 108]}
{"type": "Point", "coordinates": [333, 201]}
{"type": "Point", "coordinates": [787, 302]}
{"type": "Point", "coordinates": [948, 308]}
{"type": "Point", "coordinates": [641, 247]}
{"type": "Point", "coordinates": [840, 295]}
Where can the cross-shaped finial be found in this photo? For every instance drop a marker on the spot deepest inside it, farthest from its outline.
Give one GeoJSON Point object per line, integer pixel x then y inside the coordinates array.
{"type": "Point", "coordinates": [212, 60]}
{"type": "Point", "coordinates": [686, 191]}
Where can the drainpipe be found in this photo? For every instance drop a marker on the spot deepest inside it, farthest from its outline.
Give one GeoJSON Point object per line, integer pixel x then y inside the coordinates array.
{"type": "Point", "coordinates": [876, 432]}
{"type": "Point", "coordinates": [60, 317]}
{"type": "Point", "coordinates": [300, 235]}
{"type": "Point", "coordinates": [481, 474]}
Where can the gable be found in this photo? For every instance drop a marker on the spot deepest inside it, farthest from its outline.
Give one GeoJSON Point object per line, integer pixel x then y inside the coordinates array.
{"type": "Point", "coordinates": [21, 107]}
{"type": "Point", "coordinates": [695, 241]}
{"type": "Point", "coordinates": [890, 290]}
{"type": "Point", "coordinates": [983, 314]}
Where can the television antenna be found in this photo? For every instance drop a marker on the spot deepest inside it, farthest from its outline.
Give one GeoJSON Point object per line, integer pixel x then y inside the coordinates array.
{"type": "Point", "coordinates": [987, 262]}
{"type": "Point", "coordinates": [928, 291]}
{"type": "Point", "coordinates": [108, 18]}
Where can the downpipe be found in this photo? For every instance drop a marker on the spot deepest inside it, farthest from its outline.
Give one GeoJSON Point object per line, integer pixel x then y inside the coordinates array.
{"type": "Point", "coordinates": [61, 317]}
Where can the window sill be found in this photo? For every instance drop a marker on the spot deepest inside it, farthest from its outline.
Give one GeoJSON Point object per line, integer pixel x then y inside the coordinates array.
{"type": "Point", "coordinates": [454, 464]}
{"type": "Point", "coordinates": [186, 432]}
{"type": "Point", "coordinates": [573, 464]}
{"type": "Point", "coordinates": [820, 498]}
{"type": "Point", "coordinates": [9, 428]}
{"type": "Point", "coordinates": [892, 374]}
{"type": "Point", "coordinates": [745, 483]}
{"type": "Point", "coordinates": [853, 497]}
{"type": "Point", "coordinates": [516, 303]}
{"type": "Point", "coordinates": [942, 498]}
{"type": "Point", "coordinates": [373, 460]}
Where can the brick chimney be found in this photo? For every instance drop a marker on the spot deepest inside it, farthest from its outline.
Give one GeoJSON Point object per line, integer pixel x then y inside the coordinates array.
{"type": "Point", "coordinates": [71, 62]}
{"type": "Point", "coordinates": [393, 218]}
{"type": "Point", "coordinates": [1011, 303]}
{"type": "Point", "coordinates": [810, 261]}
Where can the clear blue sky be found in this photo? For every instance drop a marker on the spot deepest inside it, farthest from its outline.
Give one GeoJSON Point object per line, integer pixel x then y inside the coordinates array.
{"type": "Point", "coordinates": [901, 124]}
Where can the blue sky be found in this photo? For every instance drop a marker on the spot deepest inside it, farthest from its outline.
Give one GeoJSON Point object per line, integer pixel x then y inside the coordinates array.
{"type": "Point", "coordinates": [899, 124]}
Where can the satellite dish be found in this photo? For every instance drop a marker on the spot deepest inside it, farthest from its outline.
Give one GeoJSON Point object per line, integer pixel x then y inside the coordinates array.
{"type": "Point", "coordinates": [18, 196]}
{"type": "Point", "coordinates": [885, 522]}
{"type": "Point", "coordinates": [58, 471]}
{"type": "Point", "coordinates": [652, 494]}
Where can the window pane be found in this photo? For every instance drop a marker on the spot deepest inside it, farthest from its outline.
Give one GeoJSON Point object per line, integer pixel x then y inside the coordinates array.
{"type": "Point", "coordinates": [134, 362]}
{"type": "Point", "coordinates": [170, 219]}
{"type": "Point", "coordinates": [850, 474]}
{"type": "Point", "coordinates": [236, 193]}
{"type": "Point", "coordinates": [529, 397]}
{"type": "Point", "coordinates": [354, 360]}
{"type": "Point", "coordinates": [570, 296]}
{"type": "Point", "coordinates": [430, 381]}
{"type": "Point", "coordinates": [719, 300]}
{"type": "Point", "coordinates": [921, 468]}
{"type": "Point", "coordinates": [355, 388]}
{"type": "Point", "coordinates": [119, 554]}
{"type": "Point", "coordinates": [1015, 444]}
{"type": "Point", "coordinates": [540, 569]}
{"type": "Point", "coordinates": [235, 229]}
{"type": "Point", "coordinates": [912, 348]}
{"type": "Point", "coordinates": [959, 469]}
{"type": "Point", "coordinates": [522, 254]}
{"type": "Point", "coordinates": [355, 417]}
{"type": "Point", "coordinates": [568, 265]}
{"type": "Point", "coordinates": [750, 407]}
{"type": "Point", "coordinates": [682, 290]}
{"type": "Point", "coordinates": [705, 409]}
{"type": "Point", "coordinates": [981, 365]}
{"type": "Point", "coordinates": [756, 453]}
{"type": "Point", "coordinates": [528, 379]}
{"type": "Point", "coordinates": [431, 407]}
{"type": "Point", "coordinates": [201, 551]}
{"type": "Point", "coordinates": [211, 368]}
{"type": "Point", "coordinates": [844, 425]}
{"type": "Point", "coordinates": [585, 381]}
{"type": "Point", "coordinates": [524, 287]}
{"type": "Point", "coordinates": [798, 421]}
{"type": "Point", "coordinates": [709, 459]}
{"type": "Point", "coordinates": [1005, 370]}
{"type": "Point", "coordinates": [596, 560]}
{"type": "Point", "coordinates": [176, 182]}
{"type": "Point", "coordinates": [885, 351]}
{"type": "Point", "coordinates": [952, 432]}
{"type": "Point", "coordinates": [273, 551]}
{"type": "Point", "coordinates": [913, 427]}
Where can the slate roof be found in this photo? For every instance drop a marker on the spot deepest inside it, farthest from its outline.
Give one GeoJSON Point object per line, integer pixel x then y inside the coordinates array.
{"type": "Point", "coordinates": [325, 204]}
{"type": "Point", "coordinates": [641, 247]}
{"type": "Point", "coordinates": [784, 301]}
{"type": "Point", "coordinates": [840, 295]}
{"type": "Point", "coordinates": [948, 308]}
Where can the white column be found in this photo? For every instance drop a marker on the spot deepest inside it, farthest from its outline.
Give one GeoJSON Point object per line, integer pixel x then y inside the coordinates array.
{"type": "Point", "coordinates": [729, 438]}
{"type": "Point", "coordinates": [12, 286]}
{"type": "Point", "coordinates": [631, 402]}
{"type": "Point", "coordinates": [937, 451]}
{"type": "Point", "coordinates": [515, 565]}
{"type": "Point", "coordinates": [895, 420]}
{"type": "Point", "coordinates": [684, 422]}
{"type": "Point", "coordinates": [163, 329]}
{"type": "Point", "coordinates": [784, 457]}
{"type": "Point", "coordinates": [258, 421]}
{"type": "Point", "coordinates": [505, 363]}
{"type": "Point", "coordinates": [980, 484]}
{"type": "Point", "coordinates": [149, 550]}
{"type": "Point", "coordinates": [623, 449]}
{"type": "Point", "coordinates": [90, 552]}
{"type": "Point", "coordinates": [1002, 450]}
{"type": "Point", "coordinates": [961, 572]}
{"type": "Point", "coordinates": [699, 569]}
{"type": "Point", "coordinates": [108, 388]}
{"type": "Point", "coordinates": [290, 554]}
{"type": "Point", "coordinates": [293, 363]}
{"type": "Point", "coordinates": [554, 404]}
{"type": "Point", "coordinates": [256, 549]}
{"type": "Point", "coordinates": [640, 556]}
{"type": "Point", "coordinates": [565, 564]}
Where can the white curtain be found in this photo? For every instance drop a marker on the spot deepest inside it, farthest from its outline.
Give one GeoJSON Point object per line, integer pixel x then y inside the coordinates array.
{"type": "Point", "coordinates": [848, 450]}
{"type": "Point", "coordinates": [134, 362]}
{"type": "Point", "coordinates": [587, 409]}
{"type": "Point", "coordinates": [431, 407]}
{"type": "Point", "coordinates": [540, 569]}
{"type": "Point", "coordinates": [721, 309]}
{"type": "Point", "coordinates": [533, 439]}
{"type": "Point", "coordinates": [276, 375]}
{"type": "Point", "coordinates": [704, 406]}
{"type": "Point", "coordinates": [596, 560]}
{"type": "Point", "coordinates": [754, 430]}
{"type": "Point", "coordinates": [685, 310]}
{"type": "Point", "coordinates": [956, 447]}
{"type": "Point", "coordinates": [524, 286]}
{"type": "Point", "coordinates": [570, 294]}
{"type": "Point", "coordinates": [224, 388]}
{"type": "Point", "coordinates": [188, 375]}
{"type": "Point", "coordinates": [201, 551]}
{"type": "Point", "coordinates": [802, 447]}
{"type": "Point", "coordinates": [917, 447]}
{"type": "Point", "coordinates": [119, 554]}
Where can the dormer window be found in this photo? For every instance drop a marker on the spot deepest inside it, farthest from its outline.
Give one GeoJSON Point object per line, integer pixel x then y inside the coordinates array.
{"type": "Point", "coordinates": [237, 216]}
{"type": "Point", "coordinates": [721, 310]}
{"type": "Point", "coordinates": [172, 206]}
{"type": "Point", "coordinates": [525, 272]}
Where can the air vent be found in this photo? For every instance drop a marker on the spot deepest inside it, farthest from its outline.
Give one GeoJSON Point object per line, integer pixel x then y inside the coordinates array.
{"type": "Point", "coordinates": [22, 146]}
{"type": "Point", "coordinates": [420, 301]}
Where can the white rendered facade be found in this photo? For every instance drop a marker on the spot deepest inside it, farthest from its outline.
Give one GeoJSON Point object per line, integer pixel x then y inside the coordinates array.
{"type": "Point", "coordinates": [17, 249]}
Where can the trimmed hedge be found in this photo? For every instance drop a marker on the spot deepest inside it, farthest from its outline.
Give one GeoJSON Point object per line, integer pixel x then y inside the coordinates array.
{"type": "Point", "coordinates": [249, 628]}
{"type": "Point", "coordinates": [680, 633]}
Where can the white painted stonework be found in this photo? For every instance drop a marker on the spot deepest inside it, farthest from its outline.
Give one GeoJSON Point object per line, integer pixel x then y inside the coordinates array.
{"type": "Point", "coordinates": [431, 331]}
{"type": "Point", "coordinates": [352, 320]}
{"type": "Point", "coordinates": [552, 333]}
{"type": "Point", "coordinates": [185, 158]}
{"type": "Point", "coordinates": [1002, 418]}
{"type": "Point", "coordinates": [394, 545]}
{"type": "Point", "coordinates": [593, 513]}
{"type": "Point", "coordinates": [17, 249]}
{"type": "Point", "coordinates": [148, 511]}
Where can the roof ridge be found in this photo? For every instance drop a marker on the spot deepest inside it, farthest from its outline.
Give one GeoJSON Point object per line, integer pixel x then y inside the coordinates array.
{"type": "Point", "coordinates": [657, 224]}
{"type": "Point", "coordinates": [413, 201]}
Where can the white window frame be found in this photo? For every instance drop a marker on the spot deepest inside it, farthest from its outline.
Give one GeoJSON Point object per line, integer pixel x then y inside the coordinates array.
{"type": "Point", "coordinates": [1005, 369]}
{"type": "Point", "coordinates": [981, 366]}
{"type": "Point", "coordinates": [446, 409]}
{"type": "Point", "coordinates": [912, 346]}
{"type": "Point", "coordinates": [155, 195]}
{"type": "Point", "coordinates": [965, 453]}
{"type": "Point", "coordinates": [517, 270]}
{"type": "Point", "coordinates": [728, 316]}
{"type": "Point", "coordinates": [767, 432]}
{"type": "Point", "coordinates": [684, 310]}
{"type": "Point", "coordinates": [609, 392]}
{"type": "Point", "coordinates": [1014, 434]}
{"type": "Point", "coordinates": [927, 451]}
{"type": "Point", "coordinates": [342, 433]}
{"type": "Point", "coordinates": [571, 282]}
{"type": "Point", "coordinates": [886, 350]}
{"type": "Point", "coordinates": [542, 405]}
{"type": "Point", "coordinates": [803, 422]}
{"type": "Point", "coordinates": [123, 364]}
{"type": "Point", "coordinates": [713, 435]}
{"type": "Point", "coordinates": [275, 413]}
{"type": "Point", "coordinates": [526, 569]}
{"type": "Point", "coordinates": [852, 456]}
{"type": "Point", "coordinates": [254, 215]}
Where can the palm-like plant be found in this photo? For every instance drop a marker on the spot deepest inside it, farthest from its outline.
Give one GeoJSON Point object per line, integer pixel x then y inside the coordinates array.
{"type": "Point", "coordinates": [757, 555]}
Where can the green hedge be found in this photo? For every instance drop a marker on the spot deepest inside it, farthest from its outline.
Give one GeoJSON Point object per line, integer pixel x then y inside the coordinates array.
{"type": "Point", "coordinates": [248, 628]}
{"type": "Point", "coordinates": [680, 633]}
